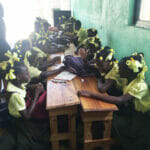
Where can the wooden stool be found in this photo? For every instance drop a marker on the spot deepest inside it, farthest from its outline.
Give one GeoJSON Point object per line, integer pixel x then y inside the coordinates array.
{"type": "Point", "coordinates": [70, 135]}
{"type": "Point", "coordinates": [88, 118]}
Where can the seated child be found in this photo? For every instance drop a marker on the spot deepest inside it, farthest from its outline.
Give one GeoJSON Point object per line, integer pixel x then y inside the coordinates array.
{"type": "Point", "coordinates": [26, 131]}
{"type": "Point", "coordinates": [130, 122]}
{"type": "Point", "coordinates": [91, 37]}
{"type": "Point", "coordinates": [40, 51]}
{"type": "Point", "coordinates": [61, 23]}
{"type": "Point", "coordinates": [107, 65]}
{"type": "Point", "coordinates": [24, 53]}
{"type": "Point", "coordinates": [80, 34]}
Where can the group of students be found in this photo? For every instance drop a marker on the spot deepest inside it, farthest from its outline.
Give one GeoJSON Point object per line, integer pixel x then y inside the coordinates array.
{"type": "Point", "coordinates": [23, 70]}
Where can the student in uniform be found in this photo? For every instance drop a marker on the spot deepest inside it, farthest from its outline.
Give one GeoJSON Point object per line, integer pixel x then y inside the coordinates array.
{"type": "Point", "coordinates": [131, 122]}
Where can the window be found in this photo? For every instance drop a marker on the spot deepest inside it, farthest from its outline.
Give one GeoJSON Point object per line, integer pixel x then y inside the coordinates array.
{"type": "Point", "coordinates": [142, 16]}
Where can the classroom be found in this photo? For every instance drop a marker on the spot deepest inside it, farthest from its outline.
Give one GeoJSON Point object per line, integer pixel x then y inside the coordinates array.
{"type": "Point", "coordinates": [74, 75]}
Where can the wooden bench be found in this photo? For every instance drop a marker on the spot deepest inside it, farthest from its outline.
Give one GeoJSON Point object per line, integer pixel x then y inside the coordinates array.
{"type": "Point", "coordinates": [94, 110]}
{"type": "Point", "coordinates": [62, 100]}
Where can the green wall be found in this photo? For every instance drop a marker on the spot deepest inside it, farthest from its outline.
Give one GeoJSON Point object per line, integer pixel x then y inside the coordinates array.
{"type": "Point", "coordinates": [112, 18]}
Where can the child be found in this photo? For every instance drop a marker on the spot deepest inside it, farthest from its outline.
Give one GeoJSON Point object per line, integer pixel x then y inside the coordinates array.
{"type": "Point", "coordinates": [80, 34]}
{"type": "Point", "coordinates": [27, 133]}
{"type": "Point", "coordinates": [107, 65]}
{"type": "Point", "coordinates": [131, 122]}
{"type": "Point", "coordinates": [24, 53]}
{"type": "Point", "coordinates": [91, 38]}
{"type": "Point", "coordinates": [61, 23]}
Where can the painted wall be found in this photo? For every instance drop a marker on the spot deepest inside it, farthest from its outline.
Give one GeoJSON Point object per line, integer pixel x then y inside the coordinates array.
{"type": "Point", "coordinates": [112, 18]}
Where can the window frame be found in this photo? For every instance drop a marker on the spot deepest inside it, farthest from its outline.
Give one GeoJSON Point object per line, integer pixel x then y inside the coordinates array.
{"type": "Point", "coordinates": [138, 22]}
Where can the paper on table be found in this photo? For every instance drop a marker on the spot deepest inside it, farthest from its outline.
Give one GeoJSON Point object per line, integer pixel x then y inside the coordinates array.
{"type": "Point", "coordinates": [65, 75]}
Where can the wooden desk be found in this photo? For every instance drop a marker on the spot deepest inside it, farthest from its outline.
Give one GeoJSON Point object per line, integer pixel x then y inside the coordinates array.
{"type": "Point", "coordinates": [62, 99]}
{"type": "Point", "coordinates": [94, 110]}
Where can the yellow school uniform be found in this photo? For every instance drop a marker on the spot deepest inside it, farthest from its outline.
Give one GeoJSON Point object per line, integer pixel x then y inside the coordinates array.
{"type": "Point", "coordinates": [40, 55]}
{"type": "Point", "coordinates": [114, 75]}
{"type": "Point", "coordinates": [82, 34]}
{"type": "Point", "coordinates": [17, 99]}
{"type": "Point", "coordinates": [140, 91]}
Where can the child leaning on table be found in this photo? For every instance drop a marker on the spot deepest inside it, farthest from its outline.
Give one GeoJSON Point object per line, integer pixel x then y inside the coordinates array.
{"type": "Point", "coordinates": [131, 122]}
{"type": "Point", "coordinates": [24, 132]}
{"type": "Point", "coordinates": [24, 53]}
{"type": "Point", "coordinates": [107, 65]}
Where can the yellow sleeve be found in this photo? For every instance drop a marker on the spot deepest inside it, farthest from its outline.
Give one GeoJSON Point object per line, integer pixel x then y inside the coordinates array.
{"type": "Point", "coordinates": [18, 102]}
{"type": "Point", "coordinates": [33, 71]}
{"type": "Point", "coordinates": [114, 75]}
{"type": "Point", "coordinates": [138, 90]}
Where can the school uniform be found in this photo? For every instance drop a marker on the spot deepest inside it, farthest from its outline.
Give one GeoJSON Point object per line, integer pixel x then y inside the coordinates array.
{"type": "Point", "coordinates": [29, 134]}
{"type": "Point", "coordinates": [131, 123]}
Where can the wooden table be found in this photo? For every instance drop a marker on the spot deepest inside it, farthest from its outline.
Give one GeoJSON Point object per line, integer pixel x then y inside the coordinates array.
{"type": "Point", "coordinates": [62, 99]}
{"type": "Point", "coordinates": [94, 110]}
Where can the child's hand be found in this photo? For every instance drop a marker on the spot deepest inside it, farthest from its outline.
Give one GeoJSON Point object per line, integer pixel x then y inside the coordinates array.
{"type": "Point", "coordinates": [82, 53]}
{"type": "Point", "coordinates": [39, 88]}
{"type": "Point", "coordinates": [84, 93]}
{"type": "Point", "coordinates": [57, 58]}
{"type": "Point", "coordinates": [72, 70]}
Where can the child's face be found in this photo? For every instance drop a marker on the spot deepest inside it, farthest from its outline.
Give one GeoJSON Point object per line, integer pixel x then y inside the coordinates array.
{"type": "Point", "coordinates": [24, 76]}
{"type": "Point", "coordinates": [124, 73]}
{"type": "Point", "coordinates": [103, 66]}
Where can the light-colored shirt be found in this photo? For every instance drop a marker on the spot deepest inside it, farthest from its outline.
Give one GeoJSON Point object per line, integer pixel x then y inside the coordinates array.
{"type": "Point", "coordinates": [17, 99]}
{"type": "Point", "coordinates": [140, 91]}
{"type": "Point", "coordinates": [114, 75]}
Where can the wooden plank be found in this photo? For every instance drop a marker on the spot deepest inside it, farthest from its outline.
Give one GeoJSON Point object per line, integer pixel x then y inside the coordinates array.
{"type": "Point", "coordinates": [61, 95]}
{"type": "Point", "coordinates": [88, 104]}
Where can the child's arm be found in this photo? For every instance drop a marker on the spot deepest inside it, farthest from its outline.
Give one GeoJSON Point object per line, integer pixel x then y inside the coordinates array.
{"type": "Point", "coordinates": [50, 62]}
{"type": "Point", "coordinates": [27, 112]}
{"type": "Point", "coordinates": [45, 74]}
{"type": "Point", "coordinates": [109, 99]}
{"type": "Point", "coordinates": [103, 87]}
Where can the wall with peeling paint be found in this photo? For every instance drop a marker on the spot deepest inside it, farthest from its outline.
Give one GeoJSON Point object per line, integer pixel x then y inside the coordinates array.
{"type": "Point", "coordinates": [112, 19]}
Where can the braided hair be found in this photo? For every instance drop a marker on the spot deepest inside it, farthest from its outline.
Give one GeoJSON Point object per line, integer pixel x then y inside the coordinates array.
{"type": "Point", "coordinates": [21, 47]}
{"type": "Point", "coordinates": [104, 53]}
{"type": "Point", "coordinates": [92, 32]}
{"type": "Point", "coordinates": [131, 70]}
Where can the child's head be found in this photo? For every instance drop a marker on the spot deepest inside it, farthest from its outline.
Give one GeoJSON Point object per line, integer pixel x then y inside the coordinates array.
{"type": "Point", "coordinates": [43, 43]}
{"type": "Point", "coordinates": [72, 20]}
{"type": "Point", "coordinates": [46, 25]}
{"type": "Point", "coordinates": [93, 45]}
{"type": "Point", "coordinates": [132, 66]}
{"type": "Point", "coordinates": [18, 72]}
{"type": "Point", "coordinates": [69, 27]}
{"type": "Point", "coordinates": [38, 24]}
{"type": "Point", "coordinates": [21, 47]}
{"type": "Point", "coordinates": [77, 24]}
{"type": "Point", "coordinates": [62, 19]}
{"type": "Point", "coordinates": [91, 32]}
{"type": "Point", "coordinates": [105, 59]}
